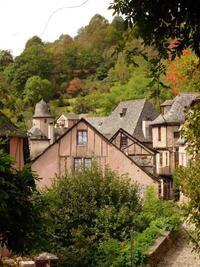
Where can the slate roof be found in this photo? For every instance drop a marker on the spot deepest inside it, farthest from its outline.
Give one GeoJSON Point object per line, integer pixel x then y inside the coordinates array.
{"type": "Point", "coordinates": [96, 121]}
{"type": "Point", "coordinates": [71, 116]}
{"type": "Point", "coordinates": [176, 113]}
{"type": "Point", "coordinates": [7, 128]}
{"type": "Point", "coordinates": [36, 133]}
{"type": "Point", "coordinates": [135, 111]}
{"type": "Point", "coordinates": [42, 110]}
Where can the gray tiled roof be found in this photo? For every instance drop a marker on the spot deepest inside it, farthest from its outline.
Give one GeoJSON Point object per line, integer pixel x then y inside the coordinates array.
{"type": "Point", "coordinates": [176, 112]}
{"type": "Point", "coordinates": [36, 133]}
{"type": "Point", "coordinates": [7, 128]}
{"type": "Point", "coordinates": [72, 116]}
{"type": "Point", "coordinates": [135, 112]}
{"type": "Point", "coordinates": [96, 121]}
{"type": "Point", "coordinates": [42, 110]}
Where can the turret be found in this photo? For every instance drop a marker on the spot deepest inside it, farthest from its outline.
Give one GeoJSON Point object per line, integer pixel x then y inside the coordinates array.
{"type": "Point", "coordinates": [42, 117]}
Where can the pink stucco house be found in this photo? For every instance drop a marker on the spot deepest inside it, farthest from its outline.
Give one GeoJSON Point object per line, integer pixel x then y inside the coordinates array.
{"type": "Point", "coordinates": [79, 146]}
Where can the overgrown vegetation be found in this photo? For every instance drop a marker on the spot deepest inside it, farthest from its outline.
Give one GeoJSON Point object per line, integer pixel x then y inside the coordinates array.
{"type": "Point", "coordinates": [88, 218]}
{"type": "Point", "coordinates": [188, 178]}
{"type": "Point", "coordinates": [104, 64]}
{"type": "Point", "coordinates": [18, 216]}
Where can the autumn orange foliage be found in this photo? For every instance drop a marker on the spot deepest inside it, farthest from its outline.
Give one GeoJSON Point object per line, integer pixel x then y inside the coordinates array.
{"type": "Point", "coordinates": [74, 86]}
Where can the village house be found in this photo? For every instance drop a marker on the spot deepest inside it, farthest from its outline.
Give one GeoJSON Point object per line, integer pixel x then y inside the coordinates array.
{"type": "Point", "coordinates": [166, 132]}
{"type": "Point", "coordinates": [13, 142]}
{"type": "Point", "coordinates": [166, 136]}
{"type": "Point", "coordinates": [134, 116]}
{"type": "Point", "coordinates": [79, 146]}
{"type": "Point", "coordinates": [134, 139]}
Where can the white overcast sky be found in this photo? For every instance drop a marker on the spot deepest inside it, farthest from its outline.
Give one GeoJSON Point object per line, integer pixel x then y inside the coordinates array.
{"type": "Point", "coordinates": [22, 19]}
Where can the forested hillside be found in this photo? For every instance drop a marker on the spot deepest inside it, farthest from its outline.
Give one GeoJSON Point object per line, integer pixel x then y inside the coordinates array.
{"type": "Point", "coordinates": [90, 73]}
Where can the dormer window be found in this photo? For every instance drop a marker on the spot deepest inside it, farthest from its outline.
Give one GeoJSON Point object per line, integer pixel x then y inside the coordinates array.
{"type": "Point", "coordinates": [123, 113]}
{"type": "Point", "coordinates": [82, 137]}
{"type": "Point", "coordinates": [123, 140]}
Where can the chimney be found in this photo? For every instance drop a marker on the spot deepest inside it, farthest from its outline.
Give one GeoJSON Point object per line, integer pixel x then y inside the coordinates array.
{"type": "Point", "coordinates": [51, 132]}
{"type": "Point", "coordinates": [146, 128]}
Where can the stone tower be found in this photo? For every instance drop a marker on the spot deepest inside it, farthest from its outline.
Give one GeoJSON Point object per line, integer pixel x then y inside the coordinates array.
{"type": "Point", "coordinates": [41, 135]}
{"type": "Point", "coordinates": [42, 118]}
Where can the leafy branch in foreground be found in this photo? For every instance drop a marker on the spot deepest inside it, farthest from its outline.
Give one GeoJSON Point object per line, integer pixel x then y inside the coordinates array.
{"type": "Point", "coordinates": [188, 178]}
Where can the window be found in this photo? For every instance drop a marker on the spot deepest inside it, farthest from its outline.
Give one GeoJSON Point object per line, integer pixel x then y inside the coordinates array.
{"type": "Point", "coordinates": [82, 162]}
{"type": "Point", "coordinates": [161, 159]}
{"type": "Point", "coordinates": [45, 120]}
{"type": "Point", "coordinates": [166, 154]}
{"type": "Point", "coordinates": [123, 140]}
{"type": "Point", "coordinates": [159, 133]}
{"type": "Point", "coordinates": [123, 113]}
{"type": "Point", "coordinates": [87, 162]}
{"type": "Point", "coordinates": [77, 163]}
{"type": "Point", "coordinates": [82, 137]}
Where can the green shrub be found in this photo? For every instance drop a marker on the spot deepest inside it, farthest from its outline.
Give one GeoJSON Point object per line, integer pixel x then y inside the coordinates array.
{"type": "Point", "coordinates": [86, 209]}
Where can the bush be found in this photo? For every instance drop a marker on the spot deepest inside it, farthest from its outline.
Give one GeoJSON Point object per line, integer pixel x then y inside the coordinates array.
{"type": "Point", "coordinates": [86, 209]}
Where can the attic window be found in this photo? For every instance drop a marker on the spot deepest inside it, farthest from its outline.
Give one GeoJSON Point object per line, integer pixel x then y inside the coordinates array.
{"type": "Point", "coordinates": [123, 113]}
{"type": "Point", "coordinates": [82, 137]}
{"type": "Point", "coordinates": [123, 140]}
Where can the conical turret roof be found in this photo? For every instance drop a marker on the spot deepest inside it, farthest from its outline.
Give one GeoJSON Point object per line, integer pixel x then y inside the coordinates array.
{"type": "Point", "coordinates": [42, 110]}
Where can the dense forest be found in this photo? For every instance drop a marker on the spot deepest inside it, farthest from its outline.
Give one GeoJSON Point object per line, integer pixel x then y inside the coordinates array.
{"type": "Point", "coordinates": [91, 73]}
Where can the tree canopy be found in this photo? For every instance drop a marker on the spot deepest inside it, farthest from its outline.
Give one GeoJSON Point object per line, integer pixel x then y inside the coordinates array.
{"type": "Point", "coordinates": [17, 214]}
{"type": "Point", "coordinates": [37, 88]}
{"type": "Point", "coordinates": [159, 21]}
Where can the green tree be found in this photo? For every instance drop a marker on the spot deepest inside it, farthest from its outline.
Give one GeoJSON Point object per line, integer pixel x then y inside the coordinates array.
{"type": "Point", "coordinates": [34, 60]}
{"type": "Point", "coordinates": [5, 59]}
{"type": "Point", "coordinates": [87, 208]}
{"type": "Point", "coordinates": [188, 178]}
{"type": "Point", "coordinates": [159, 21]}
{"type": "Point", "coordinates": [37, 88]}
{"type": "Point", "coordinates": [17, 214]}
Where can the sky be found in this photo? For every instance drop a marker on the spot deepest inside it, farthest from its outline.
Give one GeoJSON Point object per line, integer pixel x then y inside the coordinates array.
{"type": "Point", "coordinates": [22, 19]}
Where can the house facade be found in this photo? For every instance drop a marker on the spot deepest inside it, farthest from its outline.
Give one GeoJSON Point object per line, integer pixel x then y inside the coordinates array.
{"type": "Point", "coordinates": [79, 146]}
{"type": "Point", "coordinates": [140, 153]}
{"type": "Point", "coordinates": [15, 142]}
{"type": "Point", "coordinates": [134, 139]}
{"type": "Point", "coordinates": [166, 133]}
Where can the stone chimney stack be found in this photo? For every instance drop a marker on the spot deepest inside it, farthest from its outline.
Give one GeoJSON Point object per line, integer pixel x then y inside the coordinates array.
{"type": "Point", "coordinates": [51, 132]}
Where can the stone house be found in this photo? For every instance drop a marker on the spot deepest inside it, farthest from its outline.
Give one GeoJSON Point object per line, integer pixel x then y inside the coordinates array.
{"type": "Point", "coordinates": [166, 132]}
{"type": "Point", "coordinates": [79, 146]}
{"type": "Point", "coordinates": [15, 142]}
{"type": "Point", "coordinates": [166, 136]}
